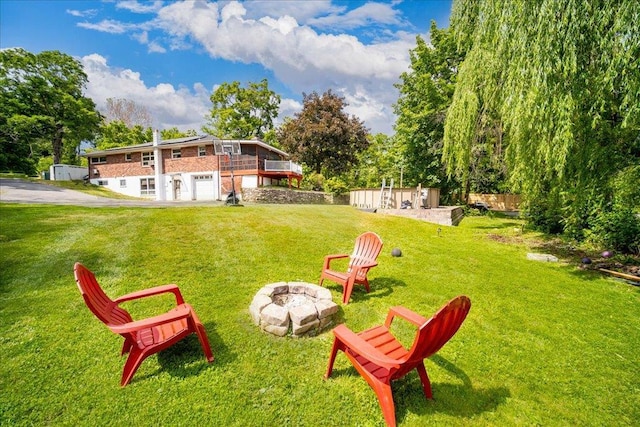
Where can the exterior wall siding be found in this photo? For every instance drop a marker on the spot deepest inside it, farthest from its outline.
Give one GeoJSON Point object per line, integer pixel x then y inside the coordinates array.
{"type": "Point", "coordinates": [181, 178]}
{"type": "Point", "coordinates": [190, 161]}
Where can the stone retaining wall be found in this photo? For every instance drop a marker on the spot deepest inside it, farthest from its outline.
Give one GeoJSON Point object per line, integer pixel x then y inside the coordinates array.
{"type": "Point", "coordinates": [285, 196]}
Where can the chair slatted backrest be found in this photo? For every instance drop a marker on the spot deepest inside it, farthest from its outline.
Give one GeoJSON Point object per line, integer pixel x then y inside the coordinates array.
{"type": "Point", "coordinates": [439, 329]}
{"type": "Point", "coordinates": [98, 302]}
{"type": "Point", "coordinates": [367, 248]}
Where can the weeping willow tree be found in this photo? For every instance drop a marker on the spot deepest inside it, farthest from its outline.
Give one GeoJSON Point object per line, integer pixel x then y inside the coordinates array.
{"type": "Point", "coordinates": [557, 85]}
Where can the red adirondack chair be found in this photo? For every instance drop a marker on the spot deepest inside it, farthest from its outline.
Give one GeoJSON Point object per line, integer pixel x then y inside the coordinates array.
{"type": "Point", "coordinates": [380, 358]}
{"type": "Point", "coordinates": [142, 338]}
{"type": "Point", "coordinates": [367, 248]}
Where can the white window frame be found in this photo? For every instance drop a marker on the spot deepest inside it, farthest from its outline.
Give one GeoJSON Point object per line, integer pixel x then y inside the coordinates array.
{"type": "Point", "coordinates": [123, 183]}
{"type": "Point", "coordinates": [98, 160]}
{"type": "Point", "coordinates": [202, 151]}
{"type": "Point", "coordinates": [176, 153]}
{"type": "Point", "coordinates": [147, 186]}
{"type": "Point", "coordinates": [128, 157]}
{"type": "Point", "coordinates": [148, 158]}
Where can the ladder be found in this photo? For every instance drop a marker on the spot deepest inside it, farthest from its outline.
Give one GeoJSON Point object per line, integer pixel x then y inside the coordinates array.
{"type": "Point", "coordinates": [385, 194]}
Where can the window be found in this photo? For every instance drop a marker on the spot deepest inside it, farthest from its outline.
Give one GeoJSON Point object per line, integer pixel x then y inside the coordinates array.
{"type": "Point", "coordinates": [202, 151]}
{"type": "Point", "coordinates": [147, 158]}
{"type": "Point", "coordinates": [123, 183]}
{"type": "Point", "coordinates": [96, 160]}
{"type": "Point", "coordinates": [176, 153]}
{"type": "Point", "coordinates": [203, 177]}
{"type": "Point", "coordinates": [127, 157]}
{"type": "Point", "coordinates": [103, 182]}
{"type": "Point", "coordinates": [147, 186]}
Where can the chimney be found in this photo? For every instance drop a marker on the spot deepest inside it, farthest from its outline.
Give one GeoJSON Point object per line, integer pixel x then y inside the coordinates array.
{"type": "Point", "coordinates": [156, 137]}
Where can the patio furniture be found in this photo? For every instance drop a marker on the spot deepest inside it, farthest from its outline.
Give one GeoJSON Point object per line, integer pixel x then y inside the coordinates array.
{"type": "Point", "coordinates": [145, 337]}
{"type": "Point", "coordinates": [367, 248]}
{"type": "Point", "coordinates": [380, 358]}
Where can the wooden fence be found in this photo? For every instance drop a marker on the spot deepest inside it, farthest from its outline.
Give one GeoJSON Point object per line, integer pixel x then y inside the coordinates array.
{"type": "Point", "coordinates": [499, 202]}
{"type": "Point", "coordinates": [369, 198]}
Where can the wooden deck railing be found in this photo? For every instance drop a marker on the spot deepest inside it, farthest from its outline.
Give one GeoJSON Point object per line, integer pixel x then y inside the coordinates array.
{"type": "Point", "coordinates": [248, 162]}
{"type": "Point", "coordinates": [282, 166]}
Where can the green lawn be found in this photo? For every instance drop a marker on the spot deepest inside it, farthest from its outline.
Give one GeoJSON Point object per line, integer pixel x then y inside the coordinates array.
{"type": "Point", "coordinates": [544, 343]}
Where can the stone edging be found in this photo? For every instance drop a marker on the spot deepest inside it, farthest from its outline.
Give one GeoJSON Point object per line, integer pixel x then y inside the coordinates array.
{"type": "Point", "coordinates": [306, 319]}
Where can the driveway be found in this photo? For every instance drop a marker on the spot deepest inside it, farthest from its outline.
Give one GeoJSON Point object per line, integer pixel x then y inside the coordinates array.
{"type": "Point", "coordinates": [20, 191]}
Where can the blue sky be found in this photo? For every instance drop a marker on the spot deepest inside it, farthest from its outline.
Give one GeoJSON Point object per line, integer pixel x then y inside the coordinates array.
{"type": "Point", "coordinates": [170, 56]}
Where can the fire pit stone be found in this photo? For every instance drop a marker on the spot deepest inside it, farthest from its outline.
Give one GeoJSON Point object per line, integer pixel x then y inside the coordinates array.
{"type": "Point", "coordinates": [295, 308]}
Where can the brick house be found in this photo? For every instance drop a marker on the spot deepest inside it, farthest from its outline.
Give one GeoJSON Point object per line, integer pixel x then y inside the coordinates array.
{"type": "Point", "coordinates": [188, 168]}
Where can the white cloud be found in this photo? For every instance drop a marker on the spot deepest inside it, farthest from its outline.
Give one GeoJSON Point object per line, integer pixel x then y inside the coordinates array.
{"type": "Point", "coordinates": [369, 13]}
{"type": "Point", "coordinates": [301, 11]}
{"type": "Point", "coordinates": [281, 37]}
{"type": "Point", "coordinates": [183, 108]}
{"type": "Point", "coordinates": [288, 107]}
{"type": "Point", "coordinates": [137, 7]}
{"type": "Point", "coordinates": [142, 37]}
{"type": "Point", "coordinates": [106, 26]}
{"type": "Point", "coordinates": [155, 47]}
{"type": "Point", "coordinates": [300, 57]}
{"type": "Point", "coordinates": [83, 13]}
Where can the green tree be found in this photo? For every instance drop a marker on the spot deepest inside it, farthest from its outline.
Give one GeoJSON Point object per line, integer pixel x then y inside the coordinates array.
{"type": "Point", "coordinates": [426, 90]}
{"type": "Point", "coordinates": [117, 134]}
{"type": "Point", "coordinates": [383, 158]}
{"type": "Point", "coordinates": [174, 133]}
{"type": "Point", "coordinates": [323, 136]}
{"type": "Point", "coordinates": [560, 81]}
{"type": "Point", "coordinates": [41, 100]}
{"type": "Point", "coordinates": [242, 113]}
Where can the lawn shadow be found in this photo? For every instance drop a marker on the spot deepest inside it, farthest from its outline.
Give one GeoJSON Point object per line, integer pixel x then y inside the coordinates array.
{"type": "Point", "coordinates": [508, 224]}
{"type": "Point", "coordinates": [379, 287]}
{"type": "Point", "coordinates": [180, 359]}
{"type": "Point", "coordinates": [460, 400]}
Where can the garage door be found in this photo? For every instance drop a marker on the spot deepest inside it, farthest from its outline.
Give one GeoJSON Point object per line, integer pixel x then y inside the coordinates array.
{"type": "Point", "coordinates": [204, 187]}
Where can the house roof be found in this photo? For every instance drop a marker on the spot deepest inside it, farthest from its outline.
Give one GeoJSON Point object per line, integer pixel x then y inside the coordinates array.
{"type": "Point", "coordinates": [189, 141]}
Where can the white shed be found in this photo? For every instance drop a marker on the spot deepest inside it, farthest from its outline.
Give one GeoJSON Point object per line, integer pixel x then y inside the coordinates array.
{"type": "Point", "coordinates": [67, 172]}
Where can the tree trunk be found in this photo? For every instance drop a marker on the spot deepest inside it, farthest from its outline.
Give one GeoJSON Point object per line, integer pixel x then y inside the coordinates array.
{"type": "Point", "coordinates": [57, 144]}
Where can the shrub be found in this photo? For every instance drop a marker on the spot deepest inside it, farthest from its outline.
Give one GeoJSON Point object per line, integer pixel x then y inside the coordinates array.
{"type": "Point", "coordinates": [336, 186]}
{"type": "Point", "coordinates": [618, 229]}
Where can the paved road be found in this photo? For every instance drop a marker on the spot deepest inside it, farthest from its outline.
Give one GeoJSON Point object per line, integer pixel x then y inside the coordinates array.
{"type": "Point", "coordinates": [20, 191]}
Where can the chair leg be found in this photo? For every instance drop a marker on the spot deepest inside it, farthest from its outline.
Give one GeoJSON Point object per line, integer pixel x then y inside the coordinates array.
{"type": "Point", "coordinates": [348, 288]}
{"type": "Point", "coordinates": [332, 357]}
{"type": "Point", "coordinates": [126, 346]}
{"type": "Point", "coordinates": [385, 397]}
{"type": "Point", "coordinates": [196, 325]}
{"type": "Point", "coordinates": [366, 284]}
{"type": "Point", "coordinates": [131, 365]}
{"type": "Point", "coordinates": [424, 378]}
{"type": "Point", "coordinates": [204, 342]}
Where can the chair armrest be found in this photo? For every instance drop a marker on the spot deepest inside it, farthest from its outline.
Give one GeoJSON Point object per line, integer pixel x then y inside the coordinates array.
{"type": "Point", "coordinates": [176, 314]}
{"type": "Point", "coordinates": [329, 258]}
{"type": "Point", "coordinates": [355, 269]}
{"type": "Point", "coordinates": [157, 290]}
{"type": "Point", "coordinates": [353, 342]}
{"type": "Point", "coordinates": [406, 314]}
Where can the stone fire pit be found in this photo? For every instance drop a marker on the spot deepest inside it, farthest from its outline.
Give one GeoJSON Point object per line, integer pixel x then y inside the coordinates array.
{"type": "Point", "coordinates": [293, 308]}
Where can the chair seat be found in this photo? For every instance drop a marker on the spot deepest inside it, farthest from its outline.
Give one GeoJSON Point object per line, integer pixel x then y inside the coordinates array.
{"type": "Point", "coordinates": [380, 338]}
{"type": "Point", "coordinates": [335, 275]}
